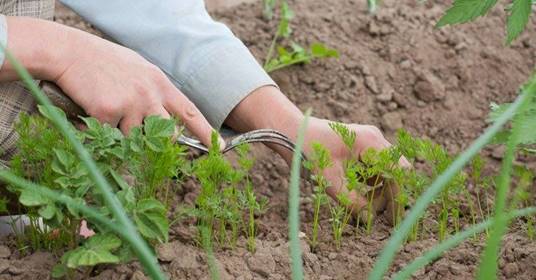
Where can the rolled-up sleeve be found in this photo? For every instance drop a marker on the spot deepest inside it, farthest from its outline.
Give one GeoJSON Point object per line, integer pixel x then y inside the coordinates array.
{"type": "Point", "coordinates": [3, 38]}
{"type": "Point", "coordinates": [202, 57]}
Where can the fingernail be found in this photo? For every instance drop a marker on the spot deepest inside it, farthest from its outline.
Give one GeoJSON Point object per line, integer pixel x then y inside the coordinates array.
{"type": "Point", "coordinates": [222, 143]}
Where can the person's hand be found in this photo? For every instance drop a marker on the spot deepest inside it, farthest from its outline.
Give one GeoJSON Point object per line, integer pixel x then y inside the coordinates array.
{"type": "Point", "coordinates": [368, 137]}
{"type": "Point", "coordinates": [110, 82]}
{"type": "Point", "coordinates": [267, 107]}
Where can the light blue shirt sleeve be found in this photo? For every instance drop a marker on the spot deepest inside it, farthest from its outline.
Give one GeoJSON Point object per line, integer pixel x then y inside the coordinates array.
{"type": "Point", "coordinates": [201, 57]}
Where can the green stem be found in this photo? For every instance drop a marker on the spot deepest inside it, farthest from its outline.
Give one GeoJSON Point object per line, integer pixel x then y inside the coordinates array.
{"type": "Point", "coordinates": [294, 201]}
{"type": "Point", "coordinates": [488, 265]}
{"type": "Point", "coordinates": [315, 221]}
{"type": "Point", "coordinates": [291, 62]}
{"type": "Point", "coordinates": [386, 256]}
{"type": "Point", "coordinates": [271, 50]}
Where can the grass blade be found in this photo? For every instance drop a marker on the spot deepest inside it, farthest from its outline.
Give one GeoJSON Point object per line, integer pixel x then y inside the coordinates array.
{"type": "Point", "coordinates": [141, 248]}
{"type": "Point", "coordinates": [453, 241]}
{"type": "Point", "coordinates": [387, 255]}
{"type": "Point", "coordinates": [294, 203]}
{"type": "Point", "coordinates": [488, 265]}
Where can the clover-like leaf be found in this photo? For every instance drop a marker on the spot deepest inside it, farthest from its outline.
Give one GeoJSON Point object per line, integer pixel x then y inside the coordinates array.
{"type": "Point", "coordinates": [30, 198]}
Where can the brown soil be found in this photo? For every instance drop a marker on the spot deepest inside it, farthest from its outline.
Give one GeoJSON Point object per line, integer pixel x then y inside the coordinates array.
{"type": "Point", "coordinates": [395, 71]}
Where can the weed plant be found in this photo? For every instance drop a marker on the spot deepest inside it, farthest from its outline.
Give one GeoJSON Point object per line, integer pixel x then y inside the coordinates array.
{"type": "Point", "coordinates": [297, 54]}
{"type": "Point", "coordinates": [140, 167]}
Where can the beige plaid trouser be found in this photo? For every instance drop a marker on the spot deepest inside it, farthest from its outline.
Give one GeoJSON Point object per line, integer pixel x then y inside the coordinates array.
{"type": "Point", "coordinates": [14, 98]}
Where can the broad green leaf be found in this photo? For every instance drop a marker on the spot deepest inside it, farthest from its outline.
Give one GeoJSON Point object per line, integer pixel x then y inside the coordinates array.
{"type": "Point", "coordinates": [155, 143]}
{"type": "Point", "coordinates": [150, 218]}
{"type": "Point", "coordinates": [466, 10]}
{"type": "Point", "coordinates": [156, 126]}
{"type": "Point", "coordinates": [45, 112]}
{"type": "Point", "coordinates": [83, 256]}
{"type": "Point", "coordinates": [48, 211]}
{"type": "Point", "coordinates": [65, 158]}
{"type": "Point", "coordinates": [145, 205]}
{"type": "Point", "coordinates": [518, 19]}
{"type": "Point", "coordinates": [73, 211]}
{"type": "Point", "coordinates": [28, 198]}
{"type": "Point", "coordinates": [127, 197]}
{"type": "Point", "coordinates": [152, 225]}
{"type": "Point", "coordinates": [106, 241]}
{"type": "Point", "coordinates": [320, 50]}
{"type": "Point", "coordinates": [527, 127]}
{"type": "Point", "coordinates": [92, 124]}
{"type": "Point", "coordinates": [59, 270]}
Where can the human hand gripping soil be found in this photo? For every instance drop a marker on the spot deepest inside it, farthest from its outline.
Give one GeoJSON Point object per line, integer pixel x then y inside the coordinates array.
{"type": "Point", "coordinates": [368, 137]}
{"type": "Point", "coordinates": [267, 107]}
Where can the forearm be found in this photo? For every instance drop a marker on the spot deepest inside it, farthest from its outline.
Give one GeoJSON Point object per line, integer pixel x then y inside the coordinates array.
{"type": "Point", "coordinates": [44, 48]}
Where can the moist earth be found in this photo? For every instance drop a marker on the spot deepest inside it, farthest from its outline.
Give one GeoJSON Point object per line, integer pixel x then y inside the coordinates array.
{"type": "Point", "coordinates": [396, 70]}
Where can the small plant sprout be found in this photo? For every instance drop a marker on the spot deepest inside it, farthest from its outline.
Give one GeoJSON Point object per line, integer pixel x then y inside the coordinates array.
{"type": "Point", "coordinates": [342, 212]}
{"type": "Point", "coordinates": [297, 53]}
{"type": "Point", "coordinates": [249, 200]}
{"type": "Point", "coordinates": [318, 162]}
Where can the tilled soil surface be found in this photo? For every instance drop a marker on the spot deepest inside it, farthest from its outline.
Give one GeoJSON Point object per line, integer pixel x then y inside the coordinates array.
{"type": "Point", "coordinates": [396, 70]}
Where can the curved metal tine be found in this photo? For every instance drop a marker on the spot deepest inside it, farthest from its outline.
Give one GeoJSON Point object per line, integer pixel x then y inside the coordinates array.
{"type": "Point", "coordinates": [259, 140]}
{"type": "Point", "coordinates": [285, 144]}
{"type": "Point", "coordinates": [193, 143]}
{"type": "Point", "coordinates": [266, 130]}
{"type": "Point", "coordinates": [260, 134]}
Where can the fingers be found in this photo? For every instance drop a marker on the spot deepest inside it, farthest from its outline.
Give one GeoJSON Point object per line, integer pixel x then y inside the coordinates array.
{"type": "Point", "coordinates": [130, 121]}
{"type": "Point", "coordinates": [178, 105]}
{"type": "Point", "coordinates": [369, 136]}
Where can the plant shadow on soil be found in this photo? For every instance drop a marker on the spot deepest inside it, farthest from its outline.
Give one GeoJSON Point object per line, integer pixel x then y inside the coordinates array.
{"type": "Point", "coordinates": [396, 70]}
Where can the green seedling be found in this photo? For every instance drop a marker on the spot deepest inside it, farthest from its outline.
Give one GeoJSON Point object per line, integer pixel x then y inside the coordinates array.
{"type": "Point", "coordinates": [297, 54]}
{"type": "Point", "coordinates": [342, 212]}
{"type": "Point", "coordinates": [249, 200]}
{"type": "Point", "coordinates": [318, 162]}
{"type": "Point", "coordinates": [227, 199]}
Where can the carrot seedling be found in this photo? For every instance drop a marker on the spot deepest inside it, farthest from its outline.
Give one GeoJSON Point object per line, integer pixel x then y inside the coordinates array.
{"type": "Point", "coordinates": [318, 162]}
